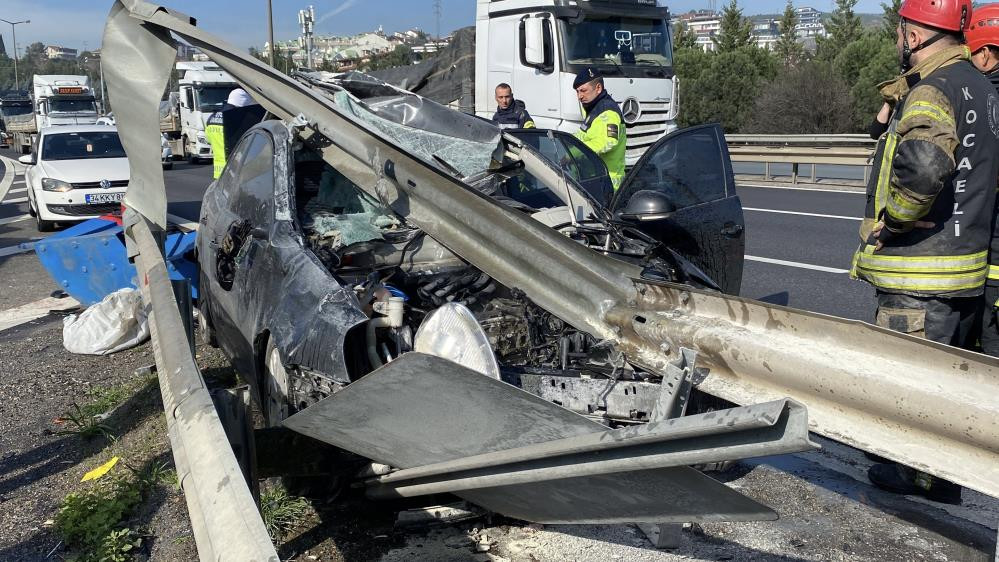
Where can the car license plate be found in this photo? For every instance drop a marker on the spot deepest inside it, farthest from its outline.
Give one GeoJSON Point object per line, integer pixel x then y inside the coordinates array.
{"type": "Point", "coordinates": [99, 198]}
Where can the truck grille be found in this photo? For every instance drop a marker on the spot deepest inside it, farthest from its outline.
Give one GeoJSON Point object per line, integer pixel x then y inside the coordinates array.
{"type": "Point", "coordinates": [85, 210]}
{"type": "Point", "coordinates": [650, 127]}
{"type": "Point", "coordinates": [97, 184]}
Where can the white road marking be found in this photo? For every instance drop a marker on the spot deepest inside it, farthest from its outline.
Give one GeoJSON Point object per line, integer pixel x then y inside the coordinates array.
{"type": "Point", "coordinates": [21, 190]}
{"type": "Point", "coordinates": [9, 220]}
{"type": "Point", "coordinates": [15, 200]}
{"type": "Point", "coordinates": [22, 248]}
{"type": "Point", "coordinates": [33, 311]}
{"type": "Point", "coordinates": [859, 191]}
{"type": "Point", "coordinates": [182, 222]}
{"type": "Point", "coordinates": [820, 215]}
{"type": "Point", "coordinates": [798, 265]}
{"type": "Point", "coordinates": [8, 176]}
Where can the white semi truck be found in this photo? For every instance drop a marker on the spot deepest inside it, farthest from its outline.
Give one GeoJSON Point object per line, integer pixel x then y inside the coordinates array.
{"type": "Point", "coordinates": [538, 46]}
{"type": "Point", "coordinates": [204, 88]}
{"type": "Point", "coordinates": [57, 99]}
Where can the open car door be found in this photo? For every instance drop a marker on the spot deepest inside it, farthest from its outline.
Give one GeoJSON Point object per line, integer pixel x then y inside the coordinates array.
{"type": "Point", "coordinates": [703, 218]}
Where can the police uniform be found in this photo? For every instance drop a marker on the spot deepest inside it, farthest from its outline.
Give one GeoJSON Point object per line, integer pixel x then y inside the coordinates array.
{"type": "Point", "coordinates": [515, 116]}
{"type": "Point", "coordinates": [936, 164]}
{"type": "Point", "coordinates": [603, 130]}
{"type": "Point", "coordinates": [215, 135]}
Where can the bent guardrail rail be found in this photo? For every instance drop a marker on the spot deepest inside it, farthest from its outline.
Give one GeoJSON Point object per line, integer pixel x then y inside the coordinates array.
{"type": "Point", "coordinates": [219, 502]}
{"type": "Point", "coordinates": [810, 150]}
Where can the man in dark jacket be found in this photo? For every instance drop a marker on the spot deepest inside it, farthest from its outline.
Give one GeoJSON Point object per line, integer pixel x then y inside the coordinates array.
{"type": "Point", "coordinates": [510, 113]}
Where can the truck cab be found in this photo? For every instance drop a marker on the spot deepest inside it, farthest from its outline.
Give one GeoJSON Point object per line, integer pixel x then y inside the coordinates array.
{"type": "Point", "coordinates": [204, 88]}
{"type": "Point", "coordinates": [13, 107]}
{"type": "Point", "coordinates": [538, 46]}
{"type": "Point", "coordinates": [63, 100]}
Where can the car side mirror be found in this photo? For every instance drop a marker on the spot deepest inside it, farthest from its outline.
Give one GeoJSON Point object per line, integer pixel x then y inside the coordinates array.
{"type": "Point", "coordinates": [28, 159]}
{"type": "Point", "coordinates": [647, 205]}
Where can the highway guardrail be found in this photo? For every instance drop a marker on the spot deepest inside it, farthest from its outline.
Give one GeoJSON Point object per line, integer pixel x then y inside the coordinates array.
{"type": "Point", "coordinates": [224, 517]}
{"type": "Point", "coordinates": [810, 150]}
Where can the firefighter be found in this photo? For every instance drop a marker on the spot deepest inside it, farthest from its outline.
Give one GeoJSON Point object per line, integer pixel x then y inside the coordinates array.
{"type": "Point", "coordinates": [223, 128]}
{"type": "Point", "coordinates": [510, 113]}
{"type": "Point", "coordinates": [928, 221]}
{"type": "Point", "coordinates": [603, 129]}
{"type": "Point", "coordinates": [982, 39]}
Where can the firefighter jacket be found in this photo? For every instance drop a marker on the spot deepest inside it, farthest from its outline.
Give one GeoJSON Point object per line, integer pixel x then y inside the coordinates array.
{"type": "Point", "coordinates": [936, 163]}
{"type": "Point", "coordinates": [993, 277]}
{"type": "Point", "coordinates": [215, 135]}
{"type": "Point", "coordinates": [513, 117]}
{"type": "Point", "coordinates": [604, 132]}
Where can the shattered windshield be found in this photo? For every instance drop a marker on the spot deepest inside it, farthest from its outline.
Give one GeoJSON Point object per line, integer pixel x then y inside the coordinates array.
{"type": "Point", "coordinates": [618, 41]}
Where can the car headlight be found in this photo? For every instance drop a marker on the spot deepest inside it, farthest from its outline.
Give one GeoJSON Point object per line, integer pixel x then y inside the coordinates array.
{"type": "Point", "coordinates": [51, 184]}
{"type": "Point", "coordinates": [201, 139]}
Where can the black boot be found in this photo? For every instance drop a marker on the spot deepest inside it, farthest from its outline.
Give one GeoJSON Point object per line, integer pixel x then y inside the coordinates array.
{"type": "Point", "coordinates": [904, 480]}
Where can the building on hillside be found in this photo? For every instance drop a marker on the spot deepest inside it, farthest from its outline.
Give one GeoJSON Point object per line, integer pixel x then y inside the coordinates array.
{"type": "Point", "coordinates": [808, 15]}
{"type": "Point", "coordinates": [765, 32]}
{"type": "Point", "coordinates": [705, 24]}
{"type": "Point", "coordinates": [55, 52]}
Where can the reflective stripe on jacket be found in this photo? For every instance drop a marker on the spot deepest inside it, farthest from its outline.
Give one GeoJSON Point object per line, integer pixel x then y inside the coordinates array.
{"type": "Point", "coordinates": [604, 132]}
{"type": "Point", "coordinates": [215, 135]}
{"type": "Point", "coordinates": [935, 164]}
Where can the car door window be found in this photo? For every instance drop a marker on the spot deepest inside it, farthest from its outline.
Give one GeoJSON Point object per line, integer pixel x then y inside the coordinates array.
{"type": "Point", "coordinates": [228, 180]}
{"type": "Point", "coordinates": [256, 180]}
{"type": "Point", "coordinates": [690, 168]}
{"type": "Point", "coordinates": [566, 152]}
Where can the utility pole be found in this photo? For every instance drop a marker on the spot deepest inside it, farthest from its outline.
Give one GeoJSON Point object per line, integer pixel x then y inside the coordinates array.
{"type": "Point", "coordinates": [437, 13]}
{"type": "Point", "coordinates": [270, 31]}
{"type": "Point", "coordinates": [13, 32]}
{"type": "Point", "coordinates": [307, 18]}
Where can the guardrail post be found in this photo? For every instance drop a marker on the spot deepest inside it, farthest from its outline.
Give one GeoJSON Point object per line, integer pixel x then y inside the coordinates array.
{"type": "Point", "coordinates": [182, 292]}
{"type": "Point", "coordinates": [766, 171]}
{"type": "Point", "coordinates": [813, 173]}
{"type": "Point", "coordinates": [794, 172]}
{"type": "Point", "coordinates": [867, 178]}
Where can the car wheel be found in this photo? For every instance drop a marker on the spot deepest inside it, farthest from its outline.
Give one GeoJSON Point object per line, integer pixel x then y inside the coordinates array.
{"type": "Point", "coordinates": [168, 165]}
{"type": "Point", "coordinates": [275, 387]}
{"type": "Point", "coordinates": [42, 224]}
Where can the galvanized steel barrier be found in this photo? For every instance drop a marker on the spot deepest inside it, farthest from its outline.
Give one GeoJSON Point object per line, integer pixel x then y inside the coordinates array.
{"type": "Point", "coordinates": [844, 150]}
{"type": "Point", "coordinates": [219, 501]}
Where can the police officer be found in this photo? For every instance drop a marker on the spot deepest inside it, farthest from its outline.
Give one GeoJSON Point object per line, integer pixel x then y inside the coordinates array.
{"type": "Point", "coordinates": [603, 129]}
{"type": "Point", "coordinates": [928, 220]}
{"type": "Point", "coordinates": [510, 113]}
{"type": "Point", "coordinates": [224, 128]}
{"type": "Point", "coordinates": [982, 39]}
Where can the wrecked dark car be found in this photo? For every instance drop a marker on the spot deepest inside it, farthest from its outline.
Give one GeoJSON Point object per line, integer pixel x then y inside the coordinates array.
{"type": "Point", "coordinates": [310, 282]}
{"type": "Point", "coordinates": [265, 281]}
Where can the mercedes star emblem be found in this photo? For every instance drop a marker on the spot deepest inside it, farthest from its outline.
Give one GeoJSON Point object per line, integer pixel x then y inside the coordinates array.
{"type": "Point", "coordinates": [631, 110]}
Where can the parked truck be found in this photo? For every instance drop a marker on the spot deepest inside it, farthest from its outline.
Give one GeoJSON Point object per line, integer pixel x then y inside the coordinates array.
{"type": "Point", "coordinates": [56, 99]}
{"type": "Point", "coordinates": [204, 88]}
{"type": "Point", "coordinates": [14, 106]}
{"type": "Point", "coordinates": [538, 46]}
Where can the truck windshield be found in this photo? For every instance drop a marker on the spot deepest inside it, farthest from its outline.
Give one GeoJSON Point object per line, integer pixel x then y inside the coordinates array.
{"type": "Point", "coordinates": [212, 98]}
{"type": "Point", "coordinates": [618, 41]}
{"type": "Point", "coordinates": [64, 105]}
{"type": "Point", "coordinates": [12, 110]}
{"type": "Point", "coordinates": [79, 146]}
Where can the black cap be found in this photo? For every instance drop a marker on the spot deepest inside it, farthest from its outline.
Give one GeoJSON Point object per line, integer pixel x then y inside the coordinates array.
{"type": "Point", "coordinates": [584, 76]}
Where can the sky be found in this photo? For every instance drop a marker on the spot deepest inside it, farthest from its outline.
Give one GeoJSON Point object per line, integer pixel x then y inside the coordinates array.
{"type": "Point", "coordinates": [80, 23]}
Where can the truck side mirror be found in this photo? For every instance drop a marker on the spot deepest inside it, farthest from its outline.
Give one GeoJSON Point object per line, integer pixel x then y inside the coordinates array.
{"type": "Point", "coordinates": [188, 99]}
{"type": "Point", "coordinates": [536, 45]}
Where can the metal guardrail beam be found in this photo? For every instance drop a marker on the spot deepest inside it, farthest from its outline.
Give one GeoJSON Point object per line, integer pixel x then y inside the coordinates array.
{"type": "Point", "coordinates": [218, 499]}
{"type": "Point", "coordinates": [810, 150]}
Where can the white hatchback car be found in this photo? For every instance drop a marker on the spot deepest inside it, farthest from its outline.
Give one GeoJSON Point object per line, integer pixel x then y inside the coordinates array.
{"type": "Point", "coordinates": [76, 172]}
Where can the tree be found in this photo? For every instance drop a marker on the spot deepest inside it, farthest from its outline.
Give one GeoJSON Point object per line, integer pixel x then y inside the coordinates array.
{"type": "Point", "coordinates": [683, 37]}
{"type": "Point", "coordinates": [735, 31]}
{"type": "Point", "coordinates": [787, 48]}
{"type": "Point", "coordinates": [864, 95]}
{"type": "Point", "coordinates": [855, 56]}
{"type": "Point", "coordinates": [844, 27]}
{"type": "Point", "coordinates": [402, 55]}
{"type": "Point", "coordinates": [721, 87]}
{"type": "Point", "coordinates": [891, 18]}
{"type": "Point", "coordinates": [780, 108]}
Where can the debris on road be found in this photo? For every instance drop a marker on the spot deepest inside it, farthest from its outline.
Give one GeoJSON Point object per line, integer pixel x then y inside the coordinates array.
{"type": "Point", "coordinates": [116, 323]}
